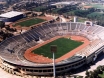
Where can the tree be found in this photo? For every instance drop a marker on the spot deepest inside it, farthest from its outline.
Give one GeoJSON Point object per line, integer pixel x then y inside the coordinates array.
{"type": "Point", "coordinates": [84, 13]}
{"type": "Point", "coordinates": [87, 73]}
{"type": "Point", "coordinates": [94, 16]}
{"type": "Point", "coordinates": [2, 24]}
{"type": "Point", "coordinates": [67, 9]}
{"type": "Point", "coordinates": [81, 13]}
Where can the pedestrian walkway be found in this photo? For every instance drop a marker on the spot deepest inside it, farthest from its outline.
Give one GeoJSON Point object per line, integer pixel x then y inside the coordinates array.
{"type": "Point", "coordinates": [99, 61]}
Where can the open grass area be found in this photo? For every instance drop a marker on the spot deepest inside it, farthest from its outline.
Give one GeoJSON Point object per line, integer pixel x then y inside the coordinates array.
{"type": "Point", "coordinates": [102, 75]}
{"type": "Point", "coordinates": [100, 6]}
{"type": "Point", "coordinates": [39, 8]}
{"type": "Point", "coordinates": [55, 11]}
{"type": "Point", "coordinates": [30, 22]}
{"type": "Point", "coordinates": [64, 46]}
{"type": "Point", "coordinates": [79, 19]}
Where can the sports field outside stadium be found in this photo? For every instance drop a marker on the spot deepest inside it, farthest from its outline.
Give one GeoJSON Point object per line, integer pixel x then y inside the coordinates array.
{"type": "Point", "coordinates": [30, 22]}
{"type": "Point", "coordinates": [64, 45]}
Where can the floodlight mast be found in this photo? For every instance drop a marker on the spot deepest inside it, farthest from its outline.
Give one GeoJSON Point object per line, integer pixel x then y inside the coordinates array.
{"type": "Point", "coordinates": [54, 72]}
{"type": "Point", "coordinates": [54, 50]}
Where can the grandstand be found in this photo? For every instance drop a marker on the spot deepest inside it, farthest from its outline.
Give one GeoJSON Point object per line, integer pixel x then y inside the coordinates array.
{"type": "Point", "coordinates": [12, 50]}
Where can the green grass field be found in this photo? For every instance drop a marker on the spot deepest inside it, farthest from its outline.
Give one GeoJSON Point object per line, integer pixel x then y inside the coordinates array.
{"type": "Point", "coordinates": [100, 6]}
{"type": "Point", "coordinates": [64, 45]}
{"type": "Point", "coordinates": [30, 22]}
{"type": "Point", "coordinates": [82, 19]}
{"type": "Point", "coordinates": [102, 75]}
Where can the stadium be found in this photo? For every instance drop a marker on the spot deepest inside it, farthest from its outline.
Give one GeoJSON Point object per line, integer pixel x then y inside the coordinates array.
{"type": "Point", "coordinates": [15, 57]}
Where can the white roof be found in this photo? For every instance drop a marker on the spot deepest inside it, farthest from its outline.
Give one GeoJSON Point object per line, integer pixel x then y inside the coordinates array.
{"type": "Point", "coordinates": [11, 14]}
{"type": "Point", "coordinates": [62, 3]}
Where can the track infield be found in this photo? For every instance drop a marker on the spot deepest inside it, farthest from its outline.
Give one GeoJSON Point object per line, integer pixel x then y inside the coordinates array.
{"type": "Point", "coordinates": [29, 55]}
{"type": "Point", "coordinates": [30, 22]}
{"type": "Point", "coordinates": [64, 45]}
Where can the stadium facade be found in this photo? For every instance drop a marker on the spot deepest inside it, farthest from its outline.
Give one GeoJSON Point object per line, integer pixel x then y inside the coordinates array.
{"type": "Point", "coordinates": [11, 16]}
{"type": "Point", "coordinates": [12, 49]}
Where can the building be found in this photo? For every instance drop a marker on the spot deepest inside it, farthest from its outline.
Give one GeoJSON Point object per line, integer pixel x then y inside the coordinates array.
{"type": "Point", "coordinates": [63, 4]}
{"type": "Point", "coordinates": [12, 50]}
{"type": "Point", "coordinates": [11, 16]}
{"type": "Point", "coordinates": [35, 1]}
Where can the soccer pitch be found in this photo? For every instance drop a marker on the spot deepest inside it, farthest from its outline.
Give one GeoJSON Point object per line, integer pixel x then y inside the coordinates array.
{"type": "Point", "coordinates": [30, 22]}
{"type": "Point", "coordinates": [64, 46]}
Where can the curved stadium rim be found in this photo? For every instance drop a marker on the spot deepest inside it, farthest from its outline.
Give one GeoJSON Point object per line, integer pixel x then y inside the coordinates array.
{"type": "Point", "coordinates": [28, 39]}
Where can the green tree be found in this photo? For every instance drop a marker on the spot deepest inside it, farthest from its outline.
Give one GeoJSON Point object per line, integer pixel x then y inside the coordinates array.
{"type": "Point", "coordinates": [67, 9]}
{"type": "Point", "coordinates": [2, 24]}
{"type": "Point", "coordinates": [84, 13]}
{"type": "Point", "coordinates": [87, 73]}
{"type": "Point", "coordinates": [81, 13]}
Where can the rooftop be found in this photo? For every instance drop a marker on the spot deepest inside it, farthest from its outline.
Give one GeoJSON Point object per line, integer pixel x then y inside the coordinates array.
{"type": "Point", "coordinates": [87, 7]}
{"type": "Point", "coordinates": [11, 14]}
{"type": "Point", "coordinates": [63, 3]}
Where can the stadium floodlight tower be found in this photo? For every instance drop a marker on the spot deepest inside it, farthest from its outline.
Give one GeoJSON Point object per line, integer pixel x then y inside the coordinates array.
{"type": "Point", "coordinates": [54, 50]}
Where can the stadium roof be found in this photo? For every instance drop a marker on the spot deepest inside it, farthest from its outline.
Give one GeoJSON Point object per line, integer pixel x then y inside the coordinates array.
{"type": "Point", "coordinates": [63, 3]}
{"type": "Point", "coordinates": [11, 14]}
